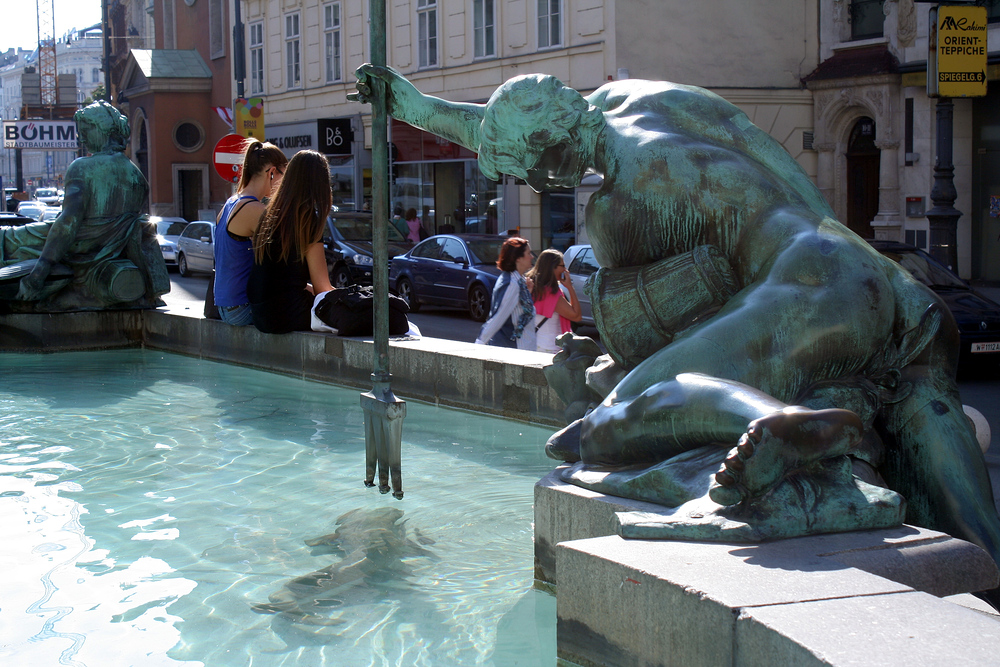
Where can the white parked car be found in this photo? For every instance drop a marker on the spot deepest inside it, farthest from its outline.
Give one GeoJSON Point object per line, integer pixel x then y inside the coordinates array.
{"type": "Point", "coordinates": [196, 248]}
{"type": "Point", "coordinates": [51, 213]}
{"type": "Point", "coordinates": [168, 230]}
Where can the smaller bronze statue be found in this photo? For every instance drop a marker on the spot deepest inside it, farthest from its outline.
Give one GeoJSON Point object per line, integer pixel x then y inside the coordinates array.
{"type": "Point", "coordinates": [98, 253]}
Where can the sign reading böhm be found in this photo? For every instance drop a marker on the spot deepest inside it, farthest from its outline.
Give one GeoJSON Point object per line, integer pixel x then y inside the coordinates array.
{"type": "Point", "coordinates": [40, 134]}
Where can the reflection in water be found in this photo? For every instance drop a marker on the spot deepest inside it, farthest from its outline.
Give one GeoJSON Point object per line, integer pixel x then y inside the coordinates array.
{"type": "Point", "coordinates": [374, 545]}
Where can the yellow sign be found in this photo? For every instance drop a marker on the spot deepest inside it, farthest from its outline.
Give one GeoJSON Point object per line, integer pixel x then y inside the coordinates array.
{"type": "Point", "coordinates": [248, 117]}
{"type": "Point", "coordinates": [957, 59]}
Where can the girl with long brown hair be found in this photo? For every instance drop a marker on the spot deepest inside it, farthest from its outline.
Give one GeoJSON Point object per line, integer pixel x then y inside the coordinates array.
{"type": "Point", "coordinates": [289, 263]}
{"type": "Point", "coordinates": [263, 166]}
{"type": "Point", "coordinates": [554, 310]}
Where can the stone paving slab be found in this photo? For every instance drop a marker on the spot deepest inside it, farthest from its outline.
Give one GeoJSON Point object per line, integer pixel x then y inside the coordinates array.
{"type": "Point", "coordinates": [643, 602]}
{"type": "Point", "coordinates": [912, 629]}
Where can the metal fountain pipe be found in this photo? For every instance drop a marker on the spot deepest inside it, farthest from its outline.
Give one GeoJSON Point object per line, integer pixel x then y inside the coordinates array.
{"type": "Point", "coordinates": [383, 412]}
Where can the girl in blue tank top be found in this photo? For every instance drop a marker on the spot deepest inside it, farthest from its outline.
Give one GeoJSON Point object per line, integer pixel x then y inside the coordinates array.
{"type": "Point", "coordinates": [263, 166]}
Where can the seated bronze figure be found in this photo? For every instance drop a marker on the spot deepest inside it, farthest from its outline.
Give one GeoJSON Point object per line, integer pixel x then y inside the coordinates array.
{"type": "Point", "coordinates": [97, 253]}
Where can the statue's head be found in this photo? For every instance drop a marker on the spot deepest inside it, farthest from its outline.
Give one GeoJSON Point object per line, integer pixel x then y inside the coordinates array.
{"type": "Point", "coordinates": [101, 127]}
{"type": "Point", "coordinates": [533, 129]}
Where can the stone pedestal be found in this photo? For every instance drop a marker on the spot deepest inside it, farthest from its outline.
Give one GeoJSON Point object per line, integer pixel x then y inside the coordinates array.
{"type": "Point", "coordinates": [865, 597]}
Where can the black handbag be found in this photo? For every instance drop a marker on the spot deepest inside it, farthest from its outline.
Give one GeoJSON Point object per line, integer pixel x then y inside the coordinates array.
{"type": "Point", "coordinates": [351, 311]}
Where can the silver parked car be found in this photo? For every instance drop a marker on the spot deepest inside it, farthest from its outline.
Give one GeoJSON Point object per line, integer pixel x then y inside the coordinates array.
{"type": "Point", "coordinates": [196, 248]}
{"type": "Point", "coordinates": [49, 196]}
{"type": "Point", "coordinates": [168, 230]}
{"type": "Point", "coordinates": [32, 209]}
{"type": "Point", "coordinates": [581, 264]}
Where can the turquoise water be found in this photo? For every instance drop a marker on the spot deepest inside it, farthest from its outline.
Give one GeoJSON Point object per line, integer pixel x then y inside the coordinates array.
{"type": "Point", "coordinates": [149, 501]}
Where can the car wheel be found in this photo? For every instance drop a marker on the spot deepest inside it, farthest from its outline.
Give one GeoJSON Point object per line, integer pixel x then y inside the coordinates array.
{"type": "Point", "coordinates": [479, 303]}
{"type": "Point", "coordinates": [182, 265]}
{"type": "Point", "coordinates": [405, 290]}
{"type": "Point", "coordinates": [341, 277]}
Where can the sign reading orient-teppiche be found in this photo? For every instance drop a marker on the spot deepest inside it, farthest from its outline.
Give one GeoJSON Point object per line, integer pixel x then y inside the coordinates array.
{"type": "Point", "coordinates": [40, 134]}
{"type": "Point", "coordinates": [956, 62]}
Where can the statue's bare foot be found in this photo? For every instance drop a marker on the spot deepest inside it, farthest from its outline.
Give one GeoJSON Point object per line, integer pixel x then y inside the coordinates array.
{"type": "Point", "coordinates": [780, 443]}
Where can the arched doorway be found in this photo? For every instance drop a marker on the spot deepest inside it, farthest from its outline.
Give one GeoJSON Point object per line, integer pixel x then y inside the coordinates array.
{"type": "Point", "coordinates": [862, 178]}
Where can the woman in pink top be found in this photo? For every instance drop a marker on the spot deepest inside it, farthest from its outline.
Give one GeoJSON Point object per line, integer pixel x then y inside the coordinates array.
{"type": "Point", "coordinates": [553, 310]}
{"type": "Point", "coordinates": [413, 222]}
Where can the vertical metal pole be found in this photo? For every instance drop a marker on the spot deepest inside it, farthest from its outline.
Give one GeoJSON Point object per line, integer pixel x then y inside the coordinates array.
{"type": "Point", "coordinates": [239, 51]}
{"type": "Point", "coordinates": [383, 413]}
{"type": "Point", "coordinates": [943, 217]}
{"type": "Point", "coordinates": [380, 198]}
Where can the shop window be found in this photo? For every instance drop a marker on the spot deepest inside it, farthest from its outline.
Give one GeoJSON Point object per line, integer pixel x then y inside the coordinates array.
{"type": "Point", "coordinates": [867, 18]}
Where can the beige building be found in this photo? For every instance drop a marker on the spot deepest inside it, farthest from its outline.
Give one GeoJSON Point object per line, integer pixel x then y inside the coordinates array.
{"type": "Point", "coordinates": [301, 56]}
{"type": "Point", "coordinates": [875, 129]}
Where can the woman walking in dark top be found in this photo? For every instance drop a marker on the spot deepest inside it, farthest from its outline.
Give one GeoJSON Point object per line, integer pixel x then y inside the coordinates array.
{"type": "Point", "coordinates": [289, 264]}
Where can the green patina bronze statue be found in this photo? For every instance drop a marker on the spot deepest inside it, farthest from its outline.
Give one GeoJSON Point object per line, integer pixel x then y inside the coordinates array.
{"type": "Point", "coordinates": [98, 253]}
{"type": "Point", "coordinates": [775, 376]}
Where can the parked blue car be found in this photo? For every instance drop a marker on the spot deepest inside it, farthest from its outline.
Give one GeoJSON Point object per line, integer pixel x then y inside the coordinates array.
{"type": "Point", "coordinates": [457, 270]}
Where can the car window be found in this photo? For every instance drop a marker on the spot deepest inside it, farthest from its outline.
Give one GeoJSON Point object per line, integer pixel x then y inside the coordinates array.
{"type": "Point", "coordinates": [925, 269]}
{"type": "Point", "coordinates": [360, 229]}
{"type": "Point", "coordinates": [196, 231]}
{"type": "Point", "coordinates": [453, 251]}
{"type": "Point", "coordinates": [485, 251]}
{"type": "Point", "coordinates": [429, 249]}
{"type": "Point", "coordinates": [168, 228]}
{"type": "Point", "coordinates": [585, 263]}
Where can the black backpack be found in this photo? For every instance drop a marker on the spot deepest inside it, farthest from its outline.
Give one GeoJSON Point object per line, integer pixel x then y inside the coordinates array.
{"type": "Point", "coordinates": [351, 311]}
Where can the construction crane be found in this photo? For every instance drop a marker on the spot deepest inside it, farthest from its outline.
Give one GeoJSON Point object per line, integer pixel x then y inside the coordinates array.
{"type": "Point", "coordinates": [47, 71]}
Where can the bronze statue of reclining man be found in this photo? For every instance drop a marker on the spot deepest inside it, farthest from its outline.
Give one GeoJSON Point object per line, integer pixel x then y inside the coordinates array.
{"type": "Point", "coordinates": [823, 352]}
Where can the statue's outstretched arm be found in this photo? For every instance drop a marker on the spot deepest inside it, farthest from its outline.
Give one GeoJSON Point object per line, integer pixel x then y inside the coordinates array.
{"type": "Point", "coordinates": [456, 121]}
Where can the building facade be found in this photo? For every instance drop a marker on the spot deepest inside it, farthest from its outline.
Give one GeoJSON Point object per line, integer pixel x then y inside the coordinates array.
{"type": "Point", "coordinates": [78, 53]}
{"type": "Point", "coordinates": [875, 129]}
{"type": "Point", "coordinates": [301, 55]}
{"type": "Point", "coordinates": [171, 69]}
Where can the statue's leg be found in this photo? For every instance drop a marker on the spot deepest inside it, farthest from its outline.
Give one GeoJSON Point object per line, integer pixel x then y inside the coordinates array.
{"type": "Point", "coordinates": [671, 417]}
{"type": "Point", "coordinates": [934, 460]}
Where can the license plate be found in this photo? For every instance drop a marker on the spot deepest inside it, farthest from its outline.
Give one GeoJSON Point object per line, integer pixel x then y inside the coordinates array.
{"type": "Point", "coordinates": [986, 347]}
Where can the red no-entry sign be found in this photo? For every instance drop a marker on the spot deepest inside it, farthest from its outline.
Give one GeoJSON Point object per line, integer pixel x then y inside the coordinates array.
{"type": "Point", "coordinates": [228, 157]}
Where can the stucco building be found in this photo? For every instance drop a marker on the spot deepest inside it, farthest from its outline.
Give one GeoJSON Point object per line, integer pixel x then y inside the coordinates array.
{"type": "Point", "coordinates": [301, 55]}
{"type": "Point", "coordinates": [875, 129]}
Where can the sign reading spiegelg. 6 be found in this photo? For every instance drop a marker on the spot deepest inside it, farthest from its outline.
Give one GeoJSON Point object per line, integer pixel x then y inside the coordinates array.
{"type": "Point", "coordinates": [956, 62]}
